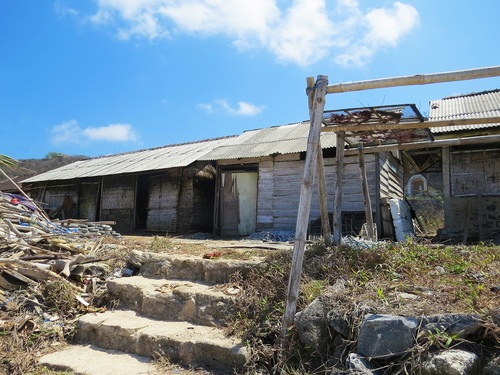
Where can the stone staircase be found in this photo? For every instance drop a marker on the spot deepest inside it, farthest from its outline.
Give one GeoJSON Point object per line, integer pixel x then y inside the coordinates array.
{"type": "Point", "coordinates": [176, 307]}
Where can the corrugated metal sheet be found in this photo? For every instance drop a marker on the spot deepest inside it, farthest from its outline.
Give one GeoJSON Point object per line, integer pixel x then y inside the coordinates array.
{"type": "Point", "coordinates": [139, 161]}
{"type": "Point", "coordinates": [284, 139]}
{"type": "Point", "coordinates": [475, 105]}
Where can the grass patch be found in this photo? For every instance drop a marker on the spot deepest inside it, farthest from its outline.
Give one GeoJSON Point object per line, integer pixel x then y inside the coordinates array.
{"type": "Point", "coordinates": [441, 279]}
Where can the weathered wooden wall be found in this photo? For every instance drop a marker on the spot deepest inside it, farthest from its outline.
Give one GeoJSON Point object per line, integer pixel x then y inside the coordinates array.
{"type": "Point", "coordinates": [475, 172]}
{"type": "Point", "coordinates": [88, 199]}
{"type": "Point", "coordinates": [177, 200]}
{"type": "Point", "coordinates": [171, 201]}
{"type": "Point", "coordinates": [478, 217]}
{"type": "Point", "coordinates": [181, 199]}
{"type": "Point", "coordinates": [51, 194]}
{"type": "Point", "coordinates": [279, 188]}
{"type": "Point", "coordinates": [473, 204]}
{"type": "Point", "coordinates": [391, 176]}
{"type": "Point", "coordinates": [118, 201]}
{"type": "Point", "coordinates": [390, 180]}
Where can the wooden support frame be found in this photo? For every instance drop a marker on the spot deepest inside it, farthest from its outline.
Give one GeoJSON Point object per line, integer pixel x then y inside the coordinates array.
{"type": "Point", "coordinates": [316, 113]}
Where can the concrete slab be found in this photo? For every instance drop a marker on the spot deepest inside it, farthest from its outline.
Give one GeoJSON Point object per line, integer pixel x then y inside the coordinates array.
{"type": "Point", "coordinates": [91, 360]}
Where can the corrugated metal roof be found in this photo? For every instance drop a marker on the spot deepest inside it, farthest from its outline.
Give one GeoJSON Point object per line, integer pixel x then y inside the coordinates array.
{"type": "Point", "coordinates": [172, 156]}
{"type": "Point", "coordinates": [475, 105]}
{"type": "Point", "coordinates": [285, 139]}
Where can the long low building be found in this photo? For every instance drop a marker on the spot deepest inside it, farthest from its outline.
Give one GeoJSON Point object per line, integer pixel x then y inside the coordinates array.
{"type": "Point", "coordinates": [251, 182]}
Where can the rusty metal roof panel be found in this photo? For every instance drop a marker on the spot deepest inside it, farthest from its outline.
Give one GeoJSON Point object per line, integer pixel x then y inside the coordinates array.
{"type": "Point", "coordinates": [474, 105]}
{"type": "Point", "coordinates": [285, 139]}
{"type": "Point", "coordinates": [132, 162]}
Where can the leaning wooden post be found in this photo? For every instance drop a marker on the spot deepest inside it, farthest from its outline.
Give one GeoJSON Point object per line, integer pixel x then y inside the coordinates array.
{"type": "Point", "coordinates": [304, 203]}
{"type": "Point", "coordinates": [337, 206]}
{"type": "Point", "coordinates": [366, 194]}
{"type": "Point", "coordinates": [323, 195]}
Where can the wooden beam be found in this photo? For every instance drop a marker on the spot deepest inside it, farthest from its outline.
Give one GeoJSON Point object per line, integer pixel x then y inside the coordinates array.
{"type": "Point", "coordinates": [412, 125]}
{"type": "Point", "coordinates": [485, 139]}
{"type": "Point", "coordinates": [419, 79]}
{"type": "Point", "coordinates": [323, 199]}
{"type": "Point", "coordinates": [446, 167]}
{"type": "Point", "coordinates": [304, 208]}
{"type": "Point", "coordinates": [366, 194]}
{"type": "Point", "coordinates": [323, 195]}
{"type": "Point", "coordinates": [337, 206]}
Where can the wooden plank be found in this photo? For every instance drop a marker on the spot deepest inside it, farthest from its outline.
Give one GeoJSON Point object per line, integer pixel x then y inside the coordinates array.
{"type": "Point", "coordinates": [337, 207]}
{"type": "Point", "coordinates": [18, 276]}
{"type": "Point", "coordinates": [317, 108]}
{"type": "Point", "coordinates": [419, 79]}
{"type": "Point", "coordinates": [5, 284]}
{"type": "Point", "coordinates": [366, 196]}
{"type": "Point", "coordinates": [485, 139]}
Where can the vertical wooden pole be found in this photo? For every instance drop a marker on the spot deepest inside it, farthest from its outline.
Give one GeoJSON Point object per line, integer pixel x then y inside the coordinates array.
{"type": "Point", "coordinates": [323, 195]}
{"type": "Point", "coordinates": [445, 155]}
{"type": "Point", "coordinates": [323, 200]}
{"type": "Point", "coordinates": [366, 195]}
{"type": "Point", "coordinates": [337, 207]}
{"type": "Point", "coordinates": [318, 106]}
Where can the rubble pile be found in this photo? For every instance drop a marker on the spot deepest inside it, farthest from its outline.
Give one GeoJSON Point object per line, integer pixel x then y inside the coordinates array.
{"type": "Point", "coordinates": [35, 250]}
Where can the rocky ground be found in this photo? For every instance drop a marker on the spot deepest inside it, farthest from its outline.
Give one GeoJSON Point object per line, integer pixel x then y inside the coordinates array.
{"type": "Point", "coordinates": [410, 279]}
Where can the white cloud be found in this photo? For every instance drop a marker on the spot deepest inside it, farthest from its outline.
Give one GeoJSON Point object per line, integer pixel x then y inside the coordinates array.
{"type": "Point", "coordinates": [67, 132]}
{"type": "Point", "coordinates": [241, 109]}
{"type": "Point", "coordinates": [297, 31]}
{"type": "Point", "coordinates": [388, 26]}
{"type": "Point", "coordinates": [384, 28]}
{"type": "Point", "coordinates": [71, 132]}
{"type": "Point", "coordinates": [112, 133]}
{"type": "Point", "coordinates": [62, 10]}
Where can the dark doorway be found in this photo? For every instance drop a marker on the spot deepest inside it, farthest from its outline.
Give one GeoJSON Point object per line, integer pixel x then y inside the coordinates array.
{"type": "Point", "coordinates": [141, 202]}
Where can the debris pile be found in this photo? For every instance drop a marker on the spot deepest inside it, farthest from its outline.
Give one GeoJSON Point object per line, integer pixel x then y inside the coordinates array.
{"type": "Point", "coordinates": [275, 235]}
{"type": "Point", "coordinates": [35, 251]}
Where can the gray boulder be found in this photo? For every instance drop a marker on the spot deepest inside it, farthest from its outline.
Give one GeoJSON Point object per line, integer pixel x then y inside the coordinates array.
{"type": "Point", "coordinates": [386, 335]}
{"type": "Point", "coordinates": [492, 367]}
{"type": "Point", "coordinates": [360, 366]}
{"type": "Point", "coordinates": [312, 326]}
{"type": "Point", "coordinates": [460, 325]}
{"type": "Point", "coordinates": [451, 362]}
{"type": "Point", "coordinates": [338, 321]}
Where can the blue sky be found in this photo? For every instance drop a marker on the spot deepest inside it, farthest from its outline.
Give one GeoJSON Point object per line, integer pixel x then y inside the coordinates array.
{"type": "Point", "coordinates": [109, 76]}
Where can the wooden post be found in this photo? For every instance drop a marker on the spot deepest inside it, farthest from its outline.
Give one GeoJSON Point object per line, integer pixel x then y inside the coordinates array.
{"type": "Point", "coordinates": [323, 200]}
{"type": "Point", "coordinates": [446, 166]}
{"type": "Point", "coordinates": [337, 207]}
{"type": "Point", "coordinates": [323, 195]}
{"type": "Point", "coordinates": [366, 194]}
{"type": "Point", "coordinates": [318, 106]}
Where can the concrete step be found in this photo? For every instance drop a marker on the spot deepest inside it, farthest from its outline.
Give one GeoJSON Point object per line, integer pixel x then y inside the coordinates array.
{"type": "Point", "coordinates": [91, 360]}
{"type": "Point", "coordinates": [181, 342]}
{"type": "Point", "coordinates": [183, 267]}
{"type": "Point", "coordinates": [194, 302]}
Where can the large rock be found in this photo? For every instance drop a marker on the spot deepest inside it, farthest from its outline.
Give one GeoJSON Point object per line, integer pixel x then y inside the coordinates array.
{"type": "Point", "coordinates": [451, 362]}
{"type": "Point", "coordinates": [492, 367]}
{"type": "Point", "coordinates": [312, 326]}
{"type": "Point", "coordinates": [459, 325]}
{"type": "Point", "coordinates": [360, 366]}
{"type": "Point", "coordinates": [339, 322]}
{"type": "Point", "coordinates": [386, 335]}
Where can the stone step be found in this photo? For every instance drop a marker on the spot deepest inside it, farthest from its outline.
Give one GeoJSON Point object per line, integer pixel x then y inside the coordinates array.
{"type": "Point", "coordinates": [91, 360]}
{"type": "Point", "coordinates": [181, 342]}
{"type": "Point", "coordinates": [194, 302]}
{"type": "Point", "coordinates": [184, 267]}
